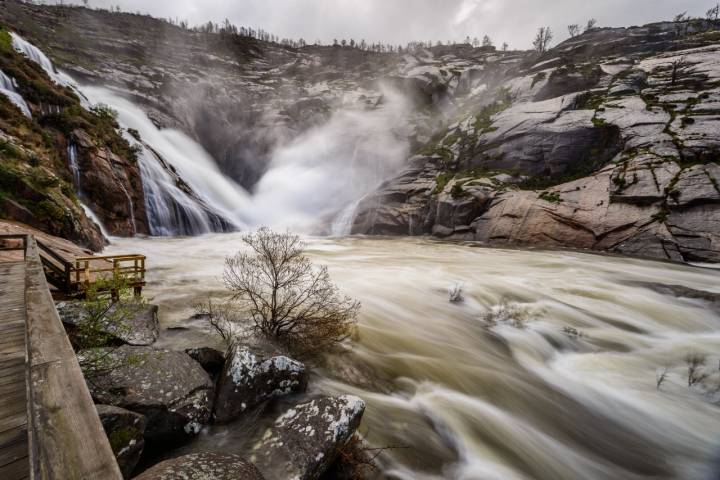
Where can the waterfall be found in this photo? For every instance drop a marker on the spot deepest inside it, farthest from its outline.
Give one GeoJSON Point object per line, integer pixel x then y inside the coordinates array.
{"type": "Point", "coordinates": [185, 192]}
{"type": "Point", "coordinates": [342, 225]}
{"type": "Point", "coordinates": [7, 88]}
{"type": "Point", "coordinates": [74, 165]}
{"type": "Point", "coordinates": [36, 55]}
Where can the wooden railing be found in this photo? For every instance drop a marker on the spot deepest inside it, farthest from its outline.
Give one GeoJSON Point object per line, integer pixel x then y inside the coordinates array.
{"type": "Point", "coordinates": [78, 276]}
{"type": "Point", "coordinates": [65, 436]}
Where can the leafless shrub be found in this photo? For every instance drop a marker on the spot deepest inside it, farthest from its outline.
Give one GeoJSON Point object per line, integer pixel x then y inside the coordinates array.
{"type": "Point", "coordinates": [542, 39]}
{"type": "Point", "coordinates": [592, 23]}
{"type": "Point", "coordinates": [285, 297]}
{"type": "Point", "coordinates": [660, 377]}
{"type": "Point", "coordinates": [515, 315]}
{"type": "Point", "coordinates": [358, 460]}
{"type": "Point", "coordinates": [574, 30]}
{"type": "Point", "coordinates": [696, 365]}
{"type": "Point", "coordinates": [456, 293]}
{"type": "Point", "coordinates": [224, 319]}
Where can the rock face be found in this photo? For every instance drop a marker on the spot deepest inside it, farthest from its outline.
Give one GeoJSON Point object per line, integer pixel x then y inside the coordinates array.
{"type": "Point", "coordinates": [203, 466]}
{"type": "Point", "coordinates": [305, 440]}
{"type": "Point", "coordinates": [607, 146]}
{"type": "Point", "coordinates": [247, 381]}
{"type": "Point", "coordinates": [130, 323]}
{"type": "Point", "coordinates": [211, 360]}
{"type": "Point", "coordinates": [125, 431]}
{"type": "Point", "coordinates": [169, 388]}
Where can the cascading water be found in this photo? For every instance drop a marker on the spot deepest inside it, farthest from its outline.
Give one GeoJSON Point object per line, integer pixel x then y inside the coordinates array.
{"type": "Point", "coordinates": [342, 225]}
{"type": "Point", "coordinates": [171, 210]}
{"type": "Point", "coordinates": [7, 88]}
{"type": "Point", "coordinates": [74, 165]}
{"type": "Point", "coordinates": [36, 55]}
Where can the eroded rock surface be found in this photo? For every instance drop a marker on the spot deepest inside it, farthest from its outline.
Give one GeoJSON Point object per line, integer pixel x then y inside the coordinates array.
{"type": "Point", "coordinates": [125, 431]}
{"type": "Point", "coordinates": [248, 380]}
{"type": "Point", "coordinates": [130, 323]}
{"type": "Point", "coordinates": [169, 388]}
{"type": "Point", "coordinates": [304, 441]}
{"type": "Point", "coordinates": [203, 466]}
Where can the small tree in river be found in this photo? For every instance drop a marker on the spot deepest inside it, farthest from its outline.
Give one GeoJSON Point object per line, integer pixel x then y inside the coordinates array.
{"type": "Point", "coordinates": [286, 298]}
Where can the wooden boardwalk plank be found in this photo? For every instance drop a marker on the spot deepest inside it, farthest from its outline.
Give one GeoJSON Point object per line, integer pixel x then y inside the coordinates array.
{"type": "Point", "coordinates": [14, 461]}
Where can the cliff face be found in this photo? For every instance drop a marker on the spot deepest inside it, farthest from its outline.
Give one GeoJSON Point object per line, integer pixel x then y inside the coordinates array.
{"type": "Point", "coordinates": [610, 141]}
{"type": "Point", "coordinates": [44, 135]}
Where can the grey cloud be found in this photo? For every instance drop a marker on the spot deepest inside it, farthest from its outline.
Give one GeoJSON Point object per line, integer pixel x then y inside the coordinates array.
{"type": "Point", "coordinates": [399, 21]}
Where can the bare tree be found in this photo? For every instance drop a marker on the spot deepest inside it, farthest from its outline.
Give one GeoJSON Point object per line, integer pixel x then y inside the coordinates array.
{"type": "Point", "coordinates": [285, 297]}
{"type": "Point", "coordinates": [487, 42]}
{"type": "Point", "coordinates": [505, 47]}
{"type": "Point", "coordinates": [543, 39]}
{"type": "Point", "coordinates": [592, 23]}
{"type": "Point", "coordinates": [680, 17]}
{"type": "Point", "coordinates": [713, 14]}
{"type": "Point", "coordinates": [574, 30]}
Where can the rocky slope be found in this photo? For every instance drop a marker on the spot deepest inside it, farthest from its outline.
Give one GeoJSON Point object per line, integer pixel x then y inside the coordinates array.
{"type": "Point", "coordinates": [607, 141]}
{"type": "Point", "coordinates": [610, 141]}
{"type": "Point", "coordinates": [44, 131]}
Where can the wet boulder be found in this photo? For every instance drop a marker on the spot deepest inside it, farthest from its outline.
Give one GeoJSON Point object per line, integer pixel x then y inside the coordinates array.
{"type": "Point", "coordinates": [210, 466]}
{"type": "Point", "coordinates": [247, 380]}
{"type": "Point", "coordinates": [304, 441]}
{"type": "Point", "coordinates": [124, 430]}
{"type": "Point", "coordinates": [210, 359]}
{"type": "Point", "coordinates": [124, 323]}
{"type": "Point", "coordinates": [169, 388]}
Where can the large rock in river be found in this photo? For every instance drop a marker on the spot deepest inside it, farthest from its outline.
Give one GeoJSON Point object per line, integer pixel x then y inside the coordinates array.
{"type": "Point", "coordinates": [124, 430]}
{"type": "Point", "coordinates": [305, 440]}
{"type": "Point", "coordinates": [169, 388]}
{"type": "Point", "coordinates": [203, 466]}
{"type": "Point", "coordinates": [127, 322]}
{"type": "Point", "coordinates": [248, 380]}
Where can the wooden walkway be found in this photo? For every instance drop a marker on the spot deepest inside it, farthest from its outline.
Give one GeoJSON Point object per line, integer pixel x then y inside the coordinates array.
{"type": "Point", "coordinates": [14, 461]}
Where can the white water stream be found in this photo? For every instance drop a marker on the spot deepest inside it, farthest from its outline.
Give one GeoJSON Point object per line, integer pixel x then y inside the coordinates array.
{"type": "Point", "coordinates": [7, 88]}
{"type": "Point", "coordinates": [562, 387]}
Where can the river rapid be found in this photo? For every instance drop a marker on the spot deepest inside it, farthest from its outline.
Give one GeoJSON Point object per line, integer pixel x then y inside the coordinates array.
{"type": "Point", "coordinates": [547, 370]}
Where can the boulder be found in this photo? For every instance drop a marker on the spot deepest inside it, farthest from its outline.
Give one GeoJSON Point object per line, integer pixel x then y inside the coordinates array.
{"type": "Point", "coordinates": [129, 323]}
{"type": "Point", "coordinates": [248, 380]}
{"type": "Point", "coordinates": [203, 466]}
{"type": "Point", "coordinates": [124, 430]}
{"type": "Point", "coordinates": [210, 359]}
{"type": "Point", "coordinates": [169, 388]}
{"type": "Point", "coordinates": [304, 441]}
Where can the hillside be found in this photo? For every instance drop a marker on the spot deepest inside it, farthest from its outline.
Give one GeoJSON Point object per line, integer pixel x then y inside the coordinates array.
{"type": "Point", "coordinates": [608, 141]}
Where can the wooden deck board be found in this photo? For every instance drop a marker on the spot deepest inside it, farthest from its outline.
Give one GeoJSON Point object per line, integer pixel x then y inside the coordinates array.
{"type": "Point", "coordinates": [14, 461]}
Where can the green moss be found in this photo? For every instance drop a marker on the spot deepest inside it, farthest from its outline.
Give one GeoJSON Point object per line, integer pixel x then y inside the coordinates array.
{"type": "Point", "coordinates": [599, 122]}
{"type": "Point", "coordinates": [441, 182]}
{"type": "Point", "coordinates": [121, 438]}
{"type": "Point", "coordinates": [551, 197]}
{"type": "Point", "coordinates": [5, 41]}
{"type": "Point", "coordinates": [50, 211]}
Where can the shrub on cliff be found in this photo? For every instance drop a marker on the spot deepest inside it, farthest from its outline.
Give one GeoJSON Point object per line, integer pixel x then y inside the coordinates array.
{"type": "Point", "coordinates": [283, 297]}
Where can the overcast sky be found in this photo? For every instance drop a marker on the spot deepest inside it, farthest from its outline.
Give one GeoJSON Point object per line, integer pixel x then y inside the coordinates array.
{"type": "Point", "coordinates": [399, 21]}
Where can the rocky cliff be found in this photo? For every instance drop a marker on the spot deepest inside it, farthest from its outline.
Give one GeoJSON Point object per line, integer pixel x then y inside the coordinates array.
{"type": "Point", "coordinates": [610, 141]}
{"type": "Point", "coordinates": [56, 154]}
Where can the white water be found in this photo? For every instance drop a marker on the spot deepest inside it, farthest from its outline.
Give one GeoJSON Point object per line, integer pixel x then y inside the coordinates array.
{"type": "Point", "coordinates": [7, 88]}
{"type": "Point", "coordinates": [508, 401]}
{"type": "Point", "coordinates": [74, 165]}
{"type": "Point", "coordinates": [37, 56]}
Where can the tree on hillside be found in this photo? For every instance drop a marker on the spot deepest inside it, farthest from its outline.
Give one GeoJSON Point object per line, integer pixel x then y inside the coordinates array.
{"type": "Point", "coordinates": [505, 47]}
{"type": "Point", "coordinates": [713, 14]}
{"type": "Point", "coordinates": [592, 23]}
{"type": "Point", "coordinates": [574, 30]}
{"type": "Point", "coordinates": [284, 297]}
{"type": "Point", "coordinates": [487, 42]}
{"type": "Point", "coordinates": [542, 39]}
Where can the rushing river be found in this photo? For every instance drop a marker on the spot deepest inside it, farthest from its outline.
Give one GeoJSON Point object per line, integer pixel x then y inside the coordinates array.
{"type": "Point", "coordinates": [547, 370]}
